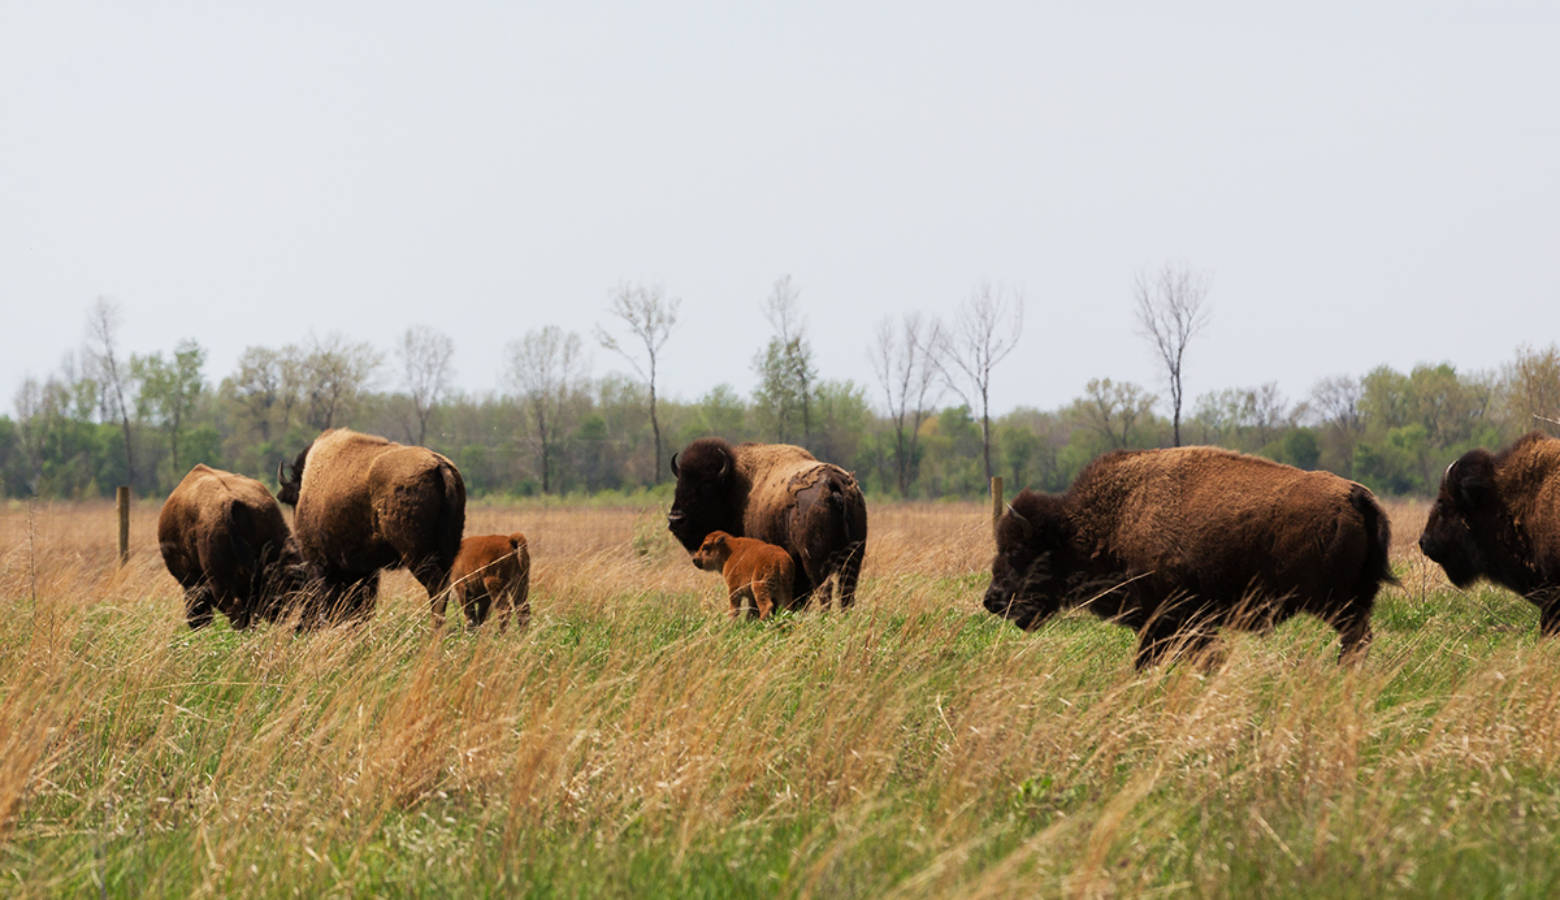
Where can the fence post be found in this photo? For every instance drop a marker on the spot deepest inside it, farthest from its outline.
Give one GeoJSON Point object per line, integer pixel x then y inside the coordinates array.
{"type": "Point", "coordinates": [122, 500]}
{"type": "Point", "coordinates": [996, 501]}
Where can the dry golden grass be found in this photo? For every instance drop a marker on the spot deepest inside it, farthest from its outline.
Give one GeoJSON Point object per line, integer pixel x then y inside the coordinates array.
{"type": "Point", "coordinates": [634, 742]}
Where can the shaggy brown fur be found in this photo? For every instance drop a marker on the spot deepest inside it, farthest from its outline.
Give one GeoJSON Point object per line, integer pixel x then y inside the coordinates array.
{"type": "Point", "coordinates": [775, 493]}
{"type": "Point", "coordinates": [224, 539]}
{"type": "Point", "coordinates": [753, 569]}
{"type": "Point", "coordinates": [493, 572]}
{"type": "Point", "coordinates": [1497, 517]}
{"type": "Point", "coordinates": [364, 504]}
{"type": "Point", "coordinates": [1176, 543]}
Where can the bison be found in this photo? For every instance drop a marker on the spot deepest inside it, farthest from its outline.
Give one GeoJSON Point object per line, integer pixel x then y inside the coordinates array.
{"type": "Point", "coordinates": [753, 570]}
{"type": "Point", "coordinates": [775, 493]}
{"type": "Point", "coordinates": [225, 541]}
{"type": "Point", "coordinates": [493, 572]}
{"type": "Point", "coordinates": [1497, 517]}
{"type": "Point", "coordinates": [365, 503]}
{"type": "Point", "coordinates": [1176, 543]}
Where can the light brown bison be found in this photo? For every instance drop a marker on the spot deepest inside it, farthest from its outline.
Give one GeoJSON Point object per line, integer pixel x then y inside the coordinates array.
{"type": "Point", "coordinates": [775, 493]}
{"type": "Point", "coordinates": [1176, 543]}
{"type": "Point", "coordinates": [754, 570]}
{"type": "Point", "coordinates": [224, 539]}
{"type": "Point", "coordinates": [1497, 517]}
{"type": "Point", "coordinates": [365, 504]}
{"type": "Point", "coordinates": [492, 572]}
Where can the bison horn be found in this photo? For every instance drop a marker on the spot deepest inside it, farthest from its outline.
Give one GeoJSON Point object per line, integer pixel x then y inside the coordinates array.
{"type": "Point", "coordinates": [1028, 528]}
{"type": "Point", "coordinates": [674, 465]}
{"type": "Point", "coordinates": [281, 469]}
{"type": "Point", "coordinates": [724, 468]}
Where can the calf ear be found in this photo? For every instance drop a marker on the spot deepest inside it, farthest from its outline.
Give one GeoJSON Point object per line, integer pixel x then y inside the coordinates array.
{"type": "Point", "coordinates": [1471, 479]}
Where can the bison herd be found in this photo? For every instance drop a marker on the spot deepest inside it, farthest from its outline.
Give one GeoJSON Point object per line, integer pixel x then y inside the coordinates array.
{"type": "Point", "coordinates": [1174, 544]}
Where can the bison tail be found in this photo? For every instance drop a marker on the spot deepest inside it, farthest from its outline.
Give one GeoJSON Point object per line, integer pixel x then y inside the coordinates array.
{"type": "Point", "coordinates": [454, 513]}
{"type": "Point", "coordinates": [1378, 531]}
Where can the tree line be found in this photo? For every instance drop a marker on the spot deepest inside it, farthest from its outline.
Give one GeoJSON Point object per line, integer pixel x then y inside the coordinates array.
{"type": "Point", "coordinates": [921, 429]}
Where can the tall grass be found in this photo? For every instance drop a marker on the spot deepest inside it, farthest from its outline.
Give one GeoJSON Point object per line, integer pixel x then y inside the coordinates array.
{"type": "Point", "coordinates": [632, 741]}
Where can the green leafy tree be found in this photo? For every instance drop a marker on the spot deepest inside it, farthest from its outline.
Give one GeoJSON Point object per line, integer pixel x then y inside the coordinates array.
{"type": "Point", "coordinates": [170, 389]}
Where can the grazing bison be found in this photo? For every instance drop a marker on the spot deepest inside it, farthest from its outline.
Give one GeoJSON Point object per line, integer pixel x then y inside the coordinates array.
{"type": "Point", "coordinates": [775, 493]}
{"type": "Point", "coordinates": [364, 504]}
{"type": "Point", "coordinates": [1497, 517]}
{"type": "Point", "coordinates": [753, 570]}
{"type": "Point", "coordinates": [493, 572]}
{"type": "Point", "coordinates": [1176, 543]}
{"type": "Point", "coordinates": [223, 538]}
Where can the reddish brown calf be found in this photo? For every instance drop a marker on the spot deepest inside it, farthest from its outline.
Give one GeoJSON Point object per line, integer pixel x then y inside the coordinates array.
{"type": "Point", "coordinates": [754, 570]}
{"type": "Point", "coordinates": [493, 571]}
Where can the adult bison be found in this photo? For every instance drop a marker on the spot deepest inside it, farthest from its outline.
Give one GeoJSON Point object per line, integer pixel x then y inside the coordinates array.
{"type": "Point", "coordinates": [1497, 516]}
{"type": "Point", "coordinates": [364, 504]}
{"type": "Point", "coordinates": [1176, 543]}
{"type": "Point", "coordinates": [776, 493]}
{"type": "Point", "coordinates": [223, 538]}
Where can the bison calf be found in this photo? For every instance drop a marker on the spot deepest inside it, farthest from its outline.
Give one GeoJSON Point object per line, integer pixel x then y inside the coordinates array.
{"type": "Point", "coordinates": [753, 569]}
{"type": "Point", "coordinates": [223, 538]}
{"type": "Point", "coordinates": [493, 572]}
{"type": "Point", "coordinates": [1177, 543]}
{"type": "Point", "coordinates": [1497, 517]}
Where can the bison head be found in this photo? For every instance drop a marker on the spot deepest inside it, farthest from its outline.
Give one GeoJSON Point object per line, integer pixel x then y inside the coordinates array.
{"type": "Point", "coordinates": [287, 484]}
{"type": "Point", "coordinates": [705, 499]}
{"type": "Point", "coordinates": [1465, 515]}
{"type": "Point", "coordinates": [713, 552]}
{"type": "Point", "coordinates": [1028, 575]}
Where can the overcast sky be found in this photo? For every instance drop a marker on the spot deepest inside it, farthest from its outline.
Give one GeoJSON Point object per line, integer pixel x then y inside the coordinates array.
{"type": "Point", "coordinates": [1367, 183]}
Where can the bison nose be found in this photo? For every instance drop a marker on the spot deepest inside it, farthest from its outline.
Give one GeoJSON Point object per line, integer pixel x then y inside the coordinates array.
{"type": "Point", "coordinates": [1426, 546]}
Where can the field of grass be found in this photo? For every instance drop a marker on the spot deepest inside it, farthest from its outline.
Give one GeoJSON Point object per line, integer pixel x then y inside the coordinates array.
{"type": "Point", "coordinates": [633, 742]}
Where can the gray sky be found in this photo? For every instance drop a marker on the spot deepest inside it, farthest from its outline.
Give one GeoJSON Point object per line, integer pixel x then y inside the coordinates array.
{"type": "Point", "coordinates": [1367, 183]}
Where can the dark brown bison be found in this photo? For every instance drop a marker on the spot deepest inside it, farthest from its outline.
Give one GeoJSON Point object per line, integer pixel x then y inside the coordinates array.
{"type": "Point", "coordinates": [492, 572]}
{"type": "Point", "coordinates": [754, 570]}
{"type": "Point", "coordinates": [776, 493]}
{"type": "Point", "coordinates": [224, 539]}
{"type": "Point", "coordinates": [1176, 543]}
{"type": "Point", "coordinates": [365, 504]}
{"type": "Point", "coordinates": [1497, 517]}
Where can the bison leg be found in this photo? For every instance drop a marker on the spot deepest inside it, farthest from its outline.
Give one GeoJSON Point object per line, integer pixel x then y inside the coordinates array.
{"type": "Point", "coordinates": [522, 601]}
{"type": "Point", "coordinates": [198, 602]}
{"type": "Point", "coordinates": [1170, 636]}
{"type": "Point", "coordinates": [761, 599]}
{"type": "Point", "coordinates": [849, 572]}
{"type": "Point", "coordinates": [434, 575]}
{"type": "Point", "coordinates": [1549, 618]}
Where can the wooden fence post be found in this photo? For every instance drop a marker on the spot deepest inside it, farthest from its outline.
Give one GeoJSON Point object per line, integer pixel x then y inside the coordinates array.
{"type": "Point", "coordinates": [122, 500]}
{"type": "Point", "coordinates": [997, 501]}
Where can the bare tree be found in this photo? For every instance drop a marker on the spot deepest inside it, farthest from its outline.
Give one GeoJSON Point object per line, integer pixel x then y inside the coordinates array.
{"type": "Point", "coordinates": [425, 354]}
{"type": "Point", "coordinates": [103, 346]}
{"type": "Point", "coordinates": [906, 373]}
{"type": "Point", "coordinates": [335, 373]}
{"type": "Point", "coordinates": [649, 316]}
{"type": "Point", "coordinates": [1336, 400]}
{"type": "Point", "coordinates": [965, 352]}
{"type": "Point", "coordinates": [1113, 409]}
{"type": "Point", "coordinates": [1170, 311]}
{"type": "Point", "coordinates": [785, 365]}
{"type": "Point", "coordinates": [545, 367]}
{"type": "Point", "coordinates": [1533, 387]}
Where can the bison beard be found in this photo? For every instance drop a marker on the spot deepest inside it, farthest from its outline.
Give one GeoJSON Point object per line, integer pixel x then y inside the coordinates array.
{"type": "Point", "coordinates": [1176, 544]}
{"type": "Point", "coordinates": [779, 494]}
{"type": "Point", "coordinates": [224, 539]}
{"type": "Point", "coordinates": [1497, 517]}
{"type": "Point", "coordinates": [364, 504]}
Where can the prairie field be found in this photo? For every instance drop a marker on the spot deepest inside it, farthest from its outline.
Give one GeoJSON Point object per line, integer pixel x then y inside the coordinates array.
{"type": "Point", "coordinates": [634, 742]}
